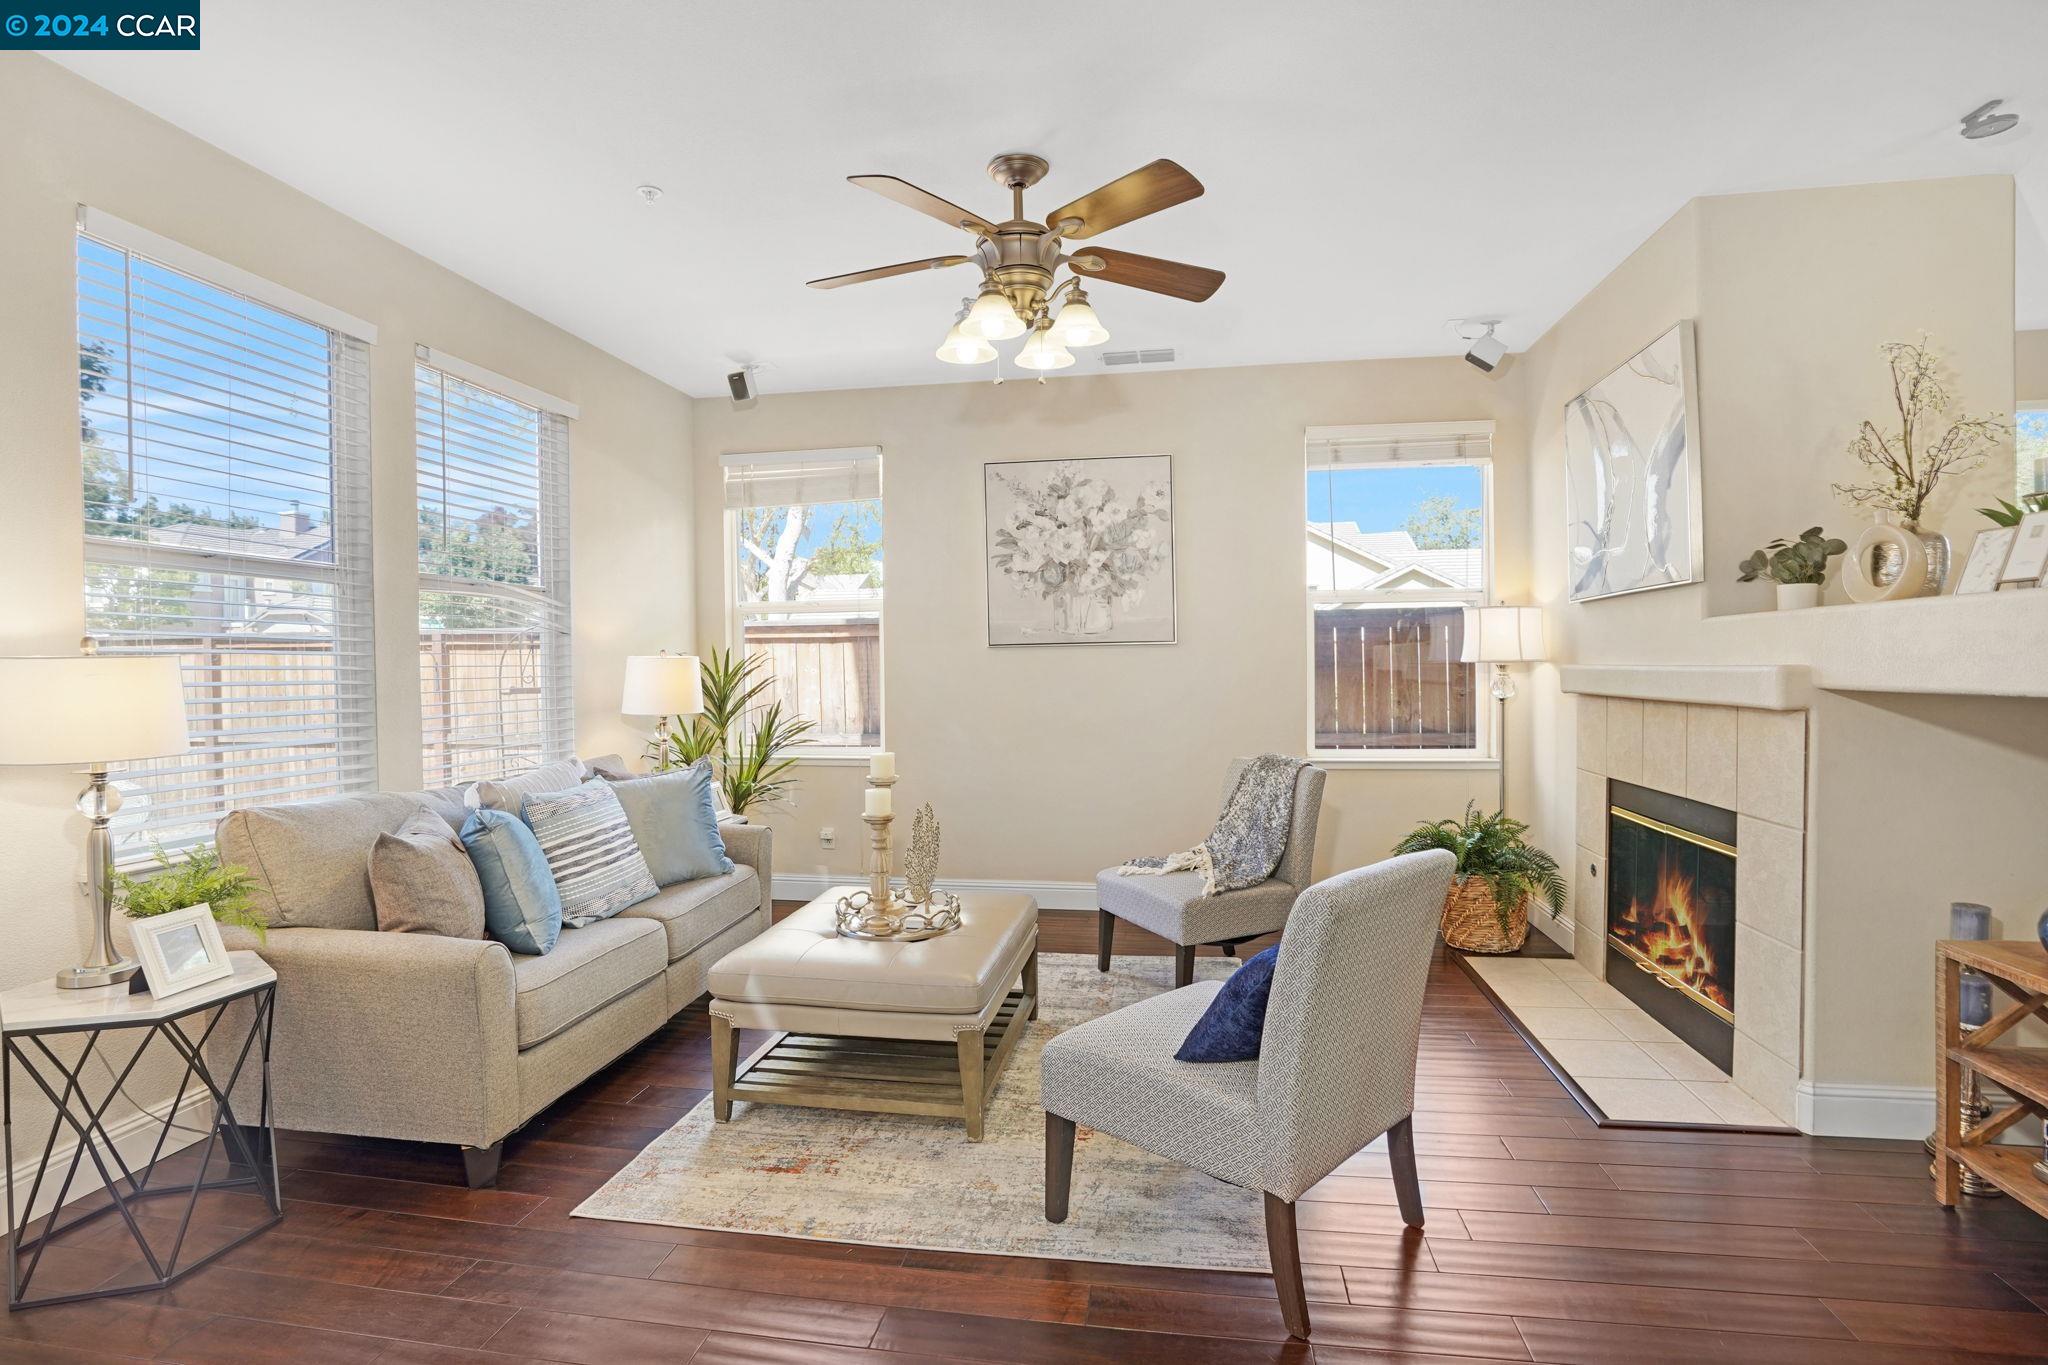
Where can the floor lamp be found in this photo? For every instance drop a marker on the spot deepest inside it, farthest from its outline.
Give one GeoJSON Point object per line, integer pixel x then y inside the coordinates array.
{"type": "Point", "coordinates": [1501, 636]}
{"type": "Point", "coordinates": [93, 710]}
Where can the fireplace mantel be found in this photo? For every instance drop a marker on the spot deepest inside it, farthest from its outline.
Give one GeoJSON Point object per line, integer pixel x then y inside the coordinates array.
{"type": "Point", "coordinates": [1755, 687]}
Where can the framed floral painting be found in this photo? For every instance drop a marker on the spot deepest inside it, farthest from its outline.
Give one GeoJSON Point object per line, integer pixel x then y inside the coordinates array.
{"type": "Point", "coordinates": [1080, 552]}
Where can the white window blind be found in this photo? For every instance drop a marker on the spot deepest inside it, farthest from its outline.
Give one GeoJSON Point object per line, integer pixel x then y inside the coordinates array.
{"type": "Point", "coordinates": [225, 450]}
{"type": "Point", "coordinates": [806, 577]}
{"type": "Point", "coordinates": [493, 480]}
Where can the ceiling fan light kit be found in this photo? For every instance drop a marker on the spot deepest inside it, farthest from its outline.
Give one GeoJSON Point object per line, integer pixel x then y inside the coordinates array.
{"type": "Point", "coordinates": [1020, 259]}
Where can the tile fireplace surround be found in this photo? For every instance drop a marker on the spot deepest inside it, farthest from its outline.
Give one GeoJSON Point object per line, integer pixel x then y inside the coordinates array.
{"type": "Point", "coordinates": [1748, 758]}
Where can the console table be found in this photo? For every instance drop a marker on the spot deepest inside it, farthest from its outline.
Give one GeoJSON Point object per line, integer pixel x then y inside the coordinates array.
{"type": "Point", "coordinates": [67, 1071]}
{"type": "Point", "coordinates": [2019, 968]}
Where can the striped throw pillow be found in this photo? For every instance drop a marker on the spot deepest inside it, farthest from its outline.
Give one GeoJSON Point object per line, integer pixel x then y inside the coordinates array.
{"type": "Point", "coordinates": [589, 847]}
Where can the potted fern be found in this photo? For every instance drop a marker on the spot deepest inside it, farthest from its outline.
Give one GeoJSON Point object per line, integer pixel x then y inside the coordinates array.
{"type": "Point", "coordinates": [749, 759]}
{"type": "Point", "coordinates": [201, 879]}
{"type": "Point", "coordinates": [1487, 910]}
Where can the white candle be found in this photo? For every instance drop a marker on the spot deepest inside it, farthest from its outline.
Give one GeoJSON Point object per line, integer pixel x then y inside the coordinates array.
{"type": "Point", "coordinates": [882, 766]}
{"type": "Point", "coordinates": [878, 803]}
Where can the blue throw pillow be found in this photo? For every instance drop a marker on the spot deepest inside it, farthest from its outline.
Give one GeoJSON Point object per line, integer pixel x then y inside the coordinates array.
{"type": "Point", "coordinates": [675, 823]}
{"type": "Point", "coordinates": [1229, 1029]}
{"type": "Point", "coordinates": [522, 908]}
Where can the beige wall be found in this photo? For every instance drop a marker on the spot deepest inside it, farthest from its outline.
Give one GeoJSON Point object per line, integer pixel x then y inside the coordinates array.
{"type": "Point", "coordinates": [2030, 367]}
{"type": "Point", "coordinates": [1915, 801]}
{"type": "Point", "coordinates": [1048, 763]}
{"type": "Point", "coordinates": [64, 142]}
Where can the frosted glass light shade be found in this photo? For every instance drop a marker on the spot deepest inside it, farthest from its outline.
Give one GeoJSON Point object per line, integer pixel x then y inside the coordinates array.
{"type": "Point", "coordinates": [1043, 353]}
{"type": "Point", "coordinates": [961, 349]}
{"type": "Point", "coordinates": [993, 318]}
{"type": "Point", "coordinates": [1504, 635]}
{"type": "Point", "coordinates": [91, 708]}
{"type": "Point", "coordinates": [662, 685]}
{"type": "Point", "coordinates": [1077, 325]}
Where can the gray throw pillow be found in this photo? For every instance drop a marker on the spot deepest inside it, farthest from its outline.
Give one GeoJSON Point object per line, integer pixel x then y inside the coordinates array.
{"type": "Point", "coordinates": [597, 867]}
{"type": "Point", "coordinates": [423, 882]}
{"type": "Point", "coordinates": [505, 793]}
{"type": "Point", "coordinates": [674, 823]}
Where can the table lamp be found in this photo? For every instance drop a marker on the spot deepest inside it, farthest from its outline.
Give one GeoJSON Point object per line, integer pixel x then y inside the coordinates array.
{"type": "Point", "coordinates": [662, 685]}
{"type": "Point", "coordinates": [92, 710]}
{"type": "Point", "coordinates": [1501, 636]}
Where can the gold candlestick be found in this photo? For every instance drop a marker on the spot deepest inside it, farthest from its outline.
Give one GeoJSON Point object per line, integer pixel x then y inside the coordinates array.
{"type": "Point", "coordinates": [877, 913]}
{"type": "Point", "coordinates": [879, 856]}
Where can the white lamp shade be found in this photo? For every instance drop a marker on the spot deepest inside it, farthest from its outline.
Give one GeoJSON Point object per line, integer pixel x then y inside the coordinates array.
{"type": "Point", "coordinates": [1042, 353]}
{"type": "Point", "coordinates": [91, 708]}
{"type": "Point", "coordinates": [1504, 635]}
{"type": "Point", "coordinates": [961, 349]}
{"type": "Point", "coordinates": [1077, 325]}
{"type": "Point", "coordinates": [993, 317]}
{"type": "Point", "coordinates": [662, 685]}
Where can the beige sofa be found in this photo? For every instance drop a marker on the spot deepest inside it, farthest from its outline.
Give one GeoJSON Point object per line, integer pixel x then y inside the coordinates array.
{"type": "Point", "coordinates": [460, 1041]}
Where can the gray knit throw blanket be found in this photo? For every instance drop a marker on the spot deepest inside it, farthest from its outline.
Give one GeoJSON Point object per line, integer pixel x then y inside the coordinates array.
{"type": "Point", "coordinates": [1249, 837]}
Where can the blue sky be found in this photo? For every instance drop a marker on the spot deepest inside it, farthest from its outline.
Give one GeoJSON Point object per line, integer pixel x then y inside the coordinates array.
{"type": "Point", "coordinates": [1380, 499]}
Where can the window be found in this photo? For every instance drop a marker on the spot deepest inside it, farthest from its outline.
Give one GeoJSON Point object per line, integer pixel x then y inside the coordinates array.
{"type": "Point", "coordinates": [1397, 549]}
{"type": "Point", "coordinates": [2030, 433]}
{"type": "Point", "coordinates": [493, 475]}
{"type": "Point", "coordinates": [805, 533]}
{"type": "Point", "coordinates": [225, 455]}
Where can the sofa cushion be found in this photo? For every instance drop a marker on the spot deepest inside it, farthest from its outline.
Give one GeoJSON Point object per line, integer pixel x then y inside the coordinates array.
{"type": "Point", "coordinates": [506, 793]}
{"type": "Point", "coordinates": [522, 909]}
{"type": "Point", "coordinates": [674, 822]}
{"type": "Point", "coordinates": [423, 882]}
{"type": "Point", "coordinates": [694, 913]}
{"type": "Point", "coordinates": [311, 859]}
{"type": "Point", "coordinates": [589, 968]}
{"type": "Point", "coordinates": [590, 850]}
{"type": "Point", "coordinates": [450, 803]}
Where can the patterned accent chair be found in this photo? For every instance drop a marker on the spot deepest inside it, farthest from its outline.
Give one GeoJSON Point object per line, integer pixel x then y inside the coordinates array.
{"type": "Point", "coordinates": [1336, 1065]}
{"type": "Point", "coordinates": [1174, 907]}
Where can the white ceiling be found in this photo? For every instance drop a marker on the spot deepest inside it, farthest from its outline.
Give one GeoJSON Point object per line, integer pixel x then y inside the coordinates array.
{"type": "Point", "coordinates": [1373, 169]}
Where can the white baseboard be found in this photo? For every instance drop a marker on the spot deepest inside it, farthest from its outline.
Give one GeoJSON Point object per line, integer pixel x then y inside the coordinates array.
{"type": "Point", "coordinates": [803, 886]}
{"type": "Point", "coordinates": [1560, 931]}
{"type": "Point", "coordinates": [133, 1137]}
{"type": "Point", "coordinates": [1884, 1111]}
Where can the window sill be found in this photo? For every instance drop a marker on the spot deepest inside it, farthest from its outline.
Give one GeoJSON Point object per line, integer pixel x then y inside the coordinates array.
{"type": "Point", "coordinates": [836, 758]}
{"type": "Point", "coordinates": [1406, 764]}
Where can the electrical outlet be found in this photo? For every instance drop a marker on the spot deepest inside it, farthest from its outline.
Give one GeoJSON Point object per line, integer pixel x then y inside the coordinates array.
{"type": "Point", "coordinates": [828, 837]}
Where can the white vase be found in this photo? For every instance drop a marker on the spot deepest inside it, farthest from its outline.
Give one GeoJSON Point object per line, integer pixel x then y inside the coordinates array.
{"type": "Point", "coordinates": [1794, 596]}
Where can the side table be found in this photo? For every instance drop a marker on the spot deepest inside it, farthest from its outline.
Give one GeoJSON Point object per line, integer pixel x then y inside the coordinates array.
{"type": "Point", "coordinates": [31, 1016]}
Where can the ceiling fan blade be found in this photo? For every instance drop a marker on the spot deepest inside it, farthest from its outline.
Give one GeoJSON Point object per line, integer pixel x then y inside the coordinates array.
{"type": "Point", "coordinates": [883, 272]}
{"type": "Point", "coordinates": [1191, 282]}
{"type": "Point", "coordinates": [924, 201]}
{"type": "Point", "coordinates": [1148, 189]}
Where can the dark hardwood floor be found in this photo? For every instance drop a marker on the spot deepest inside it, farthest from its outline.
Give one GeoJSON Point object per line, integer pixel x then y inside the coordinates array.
{"type": "Point", "coordinates": [1547, 1240]}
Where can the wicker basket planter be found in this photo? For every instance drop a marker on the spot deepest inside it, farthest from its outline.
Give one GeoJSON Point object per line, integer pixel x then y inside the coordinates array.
{"type": "Point", "coordinates": [1470, 924]}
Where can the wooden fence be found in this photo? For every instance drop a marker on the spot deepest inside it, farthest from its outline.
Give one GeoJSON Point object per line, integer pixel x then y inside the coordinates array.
{"type": "Point", "coordinates": [1389, 678]}
{"type": "Point", "coordinates": [829, 672]}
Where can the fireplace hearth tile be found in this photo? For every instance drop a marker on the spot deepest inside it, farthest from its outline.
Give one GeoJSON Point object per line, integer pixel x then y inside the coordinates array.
{"type": "Point", "coordinates": [1770, 766]}
{"type": "Point", "coordinates": [1592, 716]}
{"type": "Point", "coordinates": [1625, 739]}
{"type": "Point", "coordinates": [1594, 1060]}
{"type": "Point", "coordinates": [1600, 995]}
{"type": "Point", "coordinates": [1683, 1063]}
{"type": "Point", "coordinates": [1710, 755]}
{"type": "Point", "coordinates": [1546, 992]}
{"type": "Point", "coordinates": [1731, 1105]}
{"type": "Point", "coordinates": [1552, 1024]}
{"type": "Point", "coordinates": [1769, 880]}
{"type": "Point", "coordinates": [1642, 1101]}
{"type": "Point", "coordinates": [1638, 1027]}
{"type": "Point", "coordinates": [1592, 811]}
{"type": "Point", "coordinates": [1664, 739]}
{"type": "Point", "coordinates": [1767, 991]}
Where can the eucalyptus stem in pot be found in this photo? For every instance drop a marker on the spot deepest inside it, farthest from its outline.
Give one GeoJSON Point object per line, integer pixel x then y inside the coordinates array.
{"type": "Point", "coordinates": [1799, 567]}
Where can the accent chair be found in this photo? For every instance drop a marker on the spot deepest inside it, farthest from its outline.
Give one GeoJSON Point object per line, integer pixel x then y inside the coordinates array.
{"type": "Point", "coordinates": [1173, 906]}
{"type": "Point", "coordinates": [1336, 1066]}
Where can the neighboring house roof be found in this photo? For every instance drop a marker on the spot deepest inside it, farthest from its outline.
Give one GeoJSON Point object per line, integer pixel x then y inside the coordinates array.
{"type": "Point", "coordinates": [1393, 557]}
{"type": "Point", "coordinates": [270, 541]}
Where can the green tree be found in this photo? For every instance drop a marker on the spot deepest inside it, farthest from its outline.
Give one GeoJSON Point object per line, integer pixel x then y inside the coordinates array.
{"type": "Point", "coordinates": [1438, 523]}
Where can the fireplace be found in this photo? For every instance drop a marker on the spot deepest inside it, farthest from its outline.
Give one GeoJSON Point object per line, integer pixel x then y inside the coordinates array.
{"type": "Point", "coordinates": [1671, 914]}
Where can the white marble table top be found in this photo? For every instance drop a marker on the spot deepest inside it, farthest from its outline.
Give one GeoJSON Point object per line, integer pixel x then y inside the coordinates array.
{"type": "Point", "coordinates": [45, 1005]}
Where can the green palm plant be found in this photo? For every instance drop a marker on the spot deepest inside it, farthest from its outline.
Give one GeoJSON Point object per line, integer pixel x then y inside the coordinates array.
{"type": "Point", "coordinates": [749, 758]}
{"type": "Point", "coordinates": [1491, 848]}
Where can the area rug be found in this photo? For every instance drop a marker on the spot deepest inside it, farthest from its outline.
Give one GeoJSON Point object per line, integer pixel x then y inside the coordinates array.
{"type": "Point", "coordinates": [903, 1181]}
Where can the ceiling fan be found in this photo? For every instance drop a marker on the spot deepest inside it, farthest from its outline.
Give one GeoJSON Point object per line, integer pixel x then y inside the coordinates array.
{"type": "Point", "coordinates": [1019, 259]}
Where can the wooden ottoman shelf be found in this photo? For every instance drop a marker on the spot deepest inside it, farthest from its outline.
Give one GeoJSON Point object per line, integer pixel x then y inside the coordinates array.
{"type": "Point", "coordinates": [895, 1028]}
{"type": "Point", "coordinates": [2019, 968]}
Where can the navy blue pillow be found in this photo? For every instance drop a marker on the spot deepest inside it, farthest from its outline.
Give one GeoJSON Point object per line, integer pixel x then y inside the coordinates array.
{"type": "Point", "coordinates": [1229, 1029]}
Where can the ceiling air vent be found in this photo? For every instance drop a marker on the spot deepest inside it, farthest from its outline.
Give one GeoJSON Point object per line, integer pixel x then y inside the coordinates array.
{"type": "Point", "coordinates": [1158, 355]}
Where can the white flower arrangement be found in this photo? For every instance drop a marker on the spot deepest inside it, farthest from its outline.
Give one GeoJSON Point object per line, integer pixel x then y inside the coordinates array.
{"type": "Point", "coordinates": [1074, 538]}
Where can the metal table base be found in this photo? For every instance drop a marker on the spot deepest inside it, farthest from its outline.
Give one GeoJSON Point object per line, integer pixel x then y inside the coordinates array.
{"type": "Point", "coordinates": [64, 1085]}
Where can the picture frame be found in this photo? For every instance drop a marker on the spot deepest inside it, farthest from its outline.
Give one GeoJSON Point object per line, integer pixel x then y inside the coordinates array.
{"type": "Point", "coordinates": [1079, 551]}
{"type": "Point", "coordinates": [2026, 563]}
{"type": "Point", "coordinates": [180, 950]}
{"type": "Point", "coordinates": [1987, 560]}
{"type": "Point", "coordinates": [1632, 475]}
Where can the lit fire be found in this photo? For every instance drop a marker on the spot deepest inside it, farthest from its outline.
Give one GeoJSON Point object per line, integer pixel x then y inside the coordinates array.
{"type": "Point", "coordinates": [1671, 933]}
